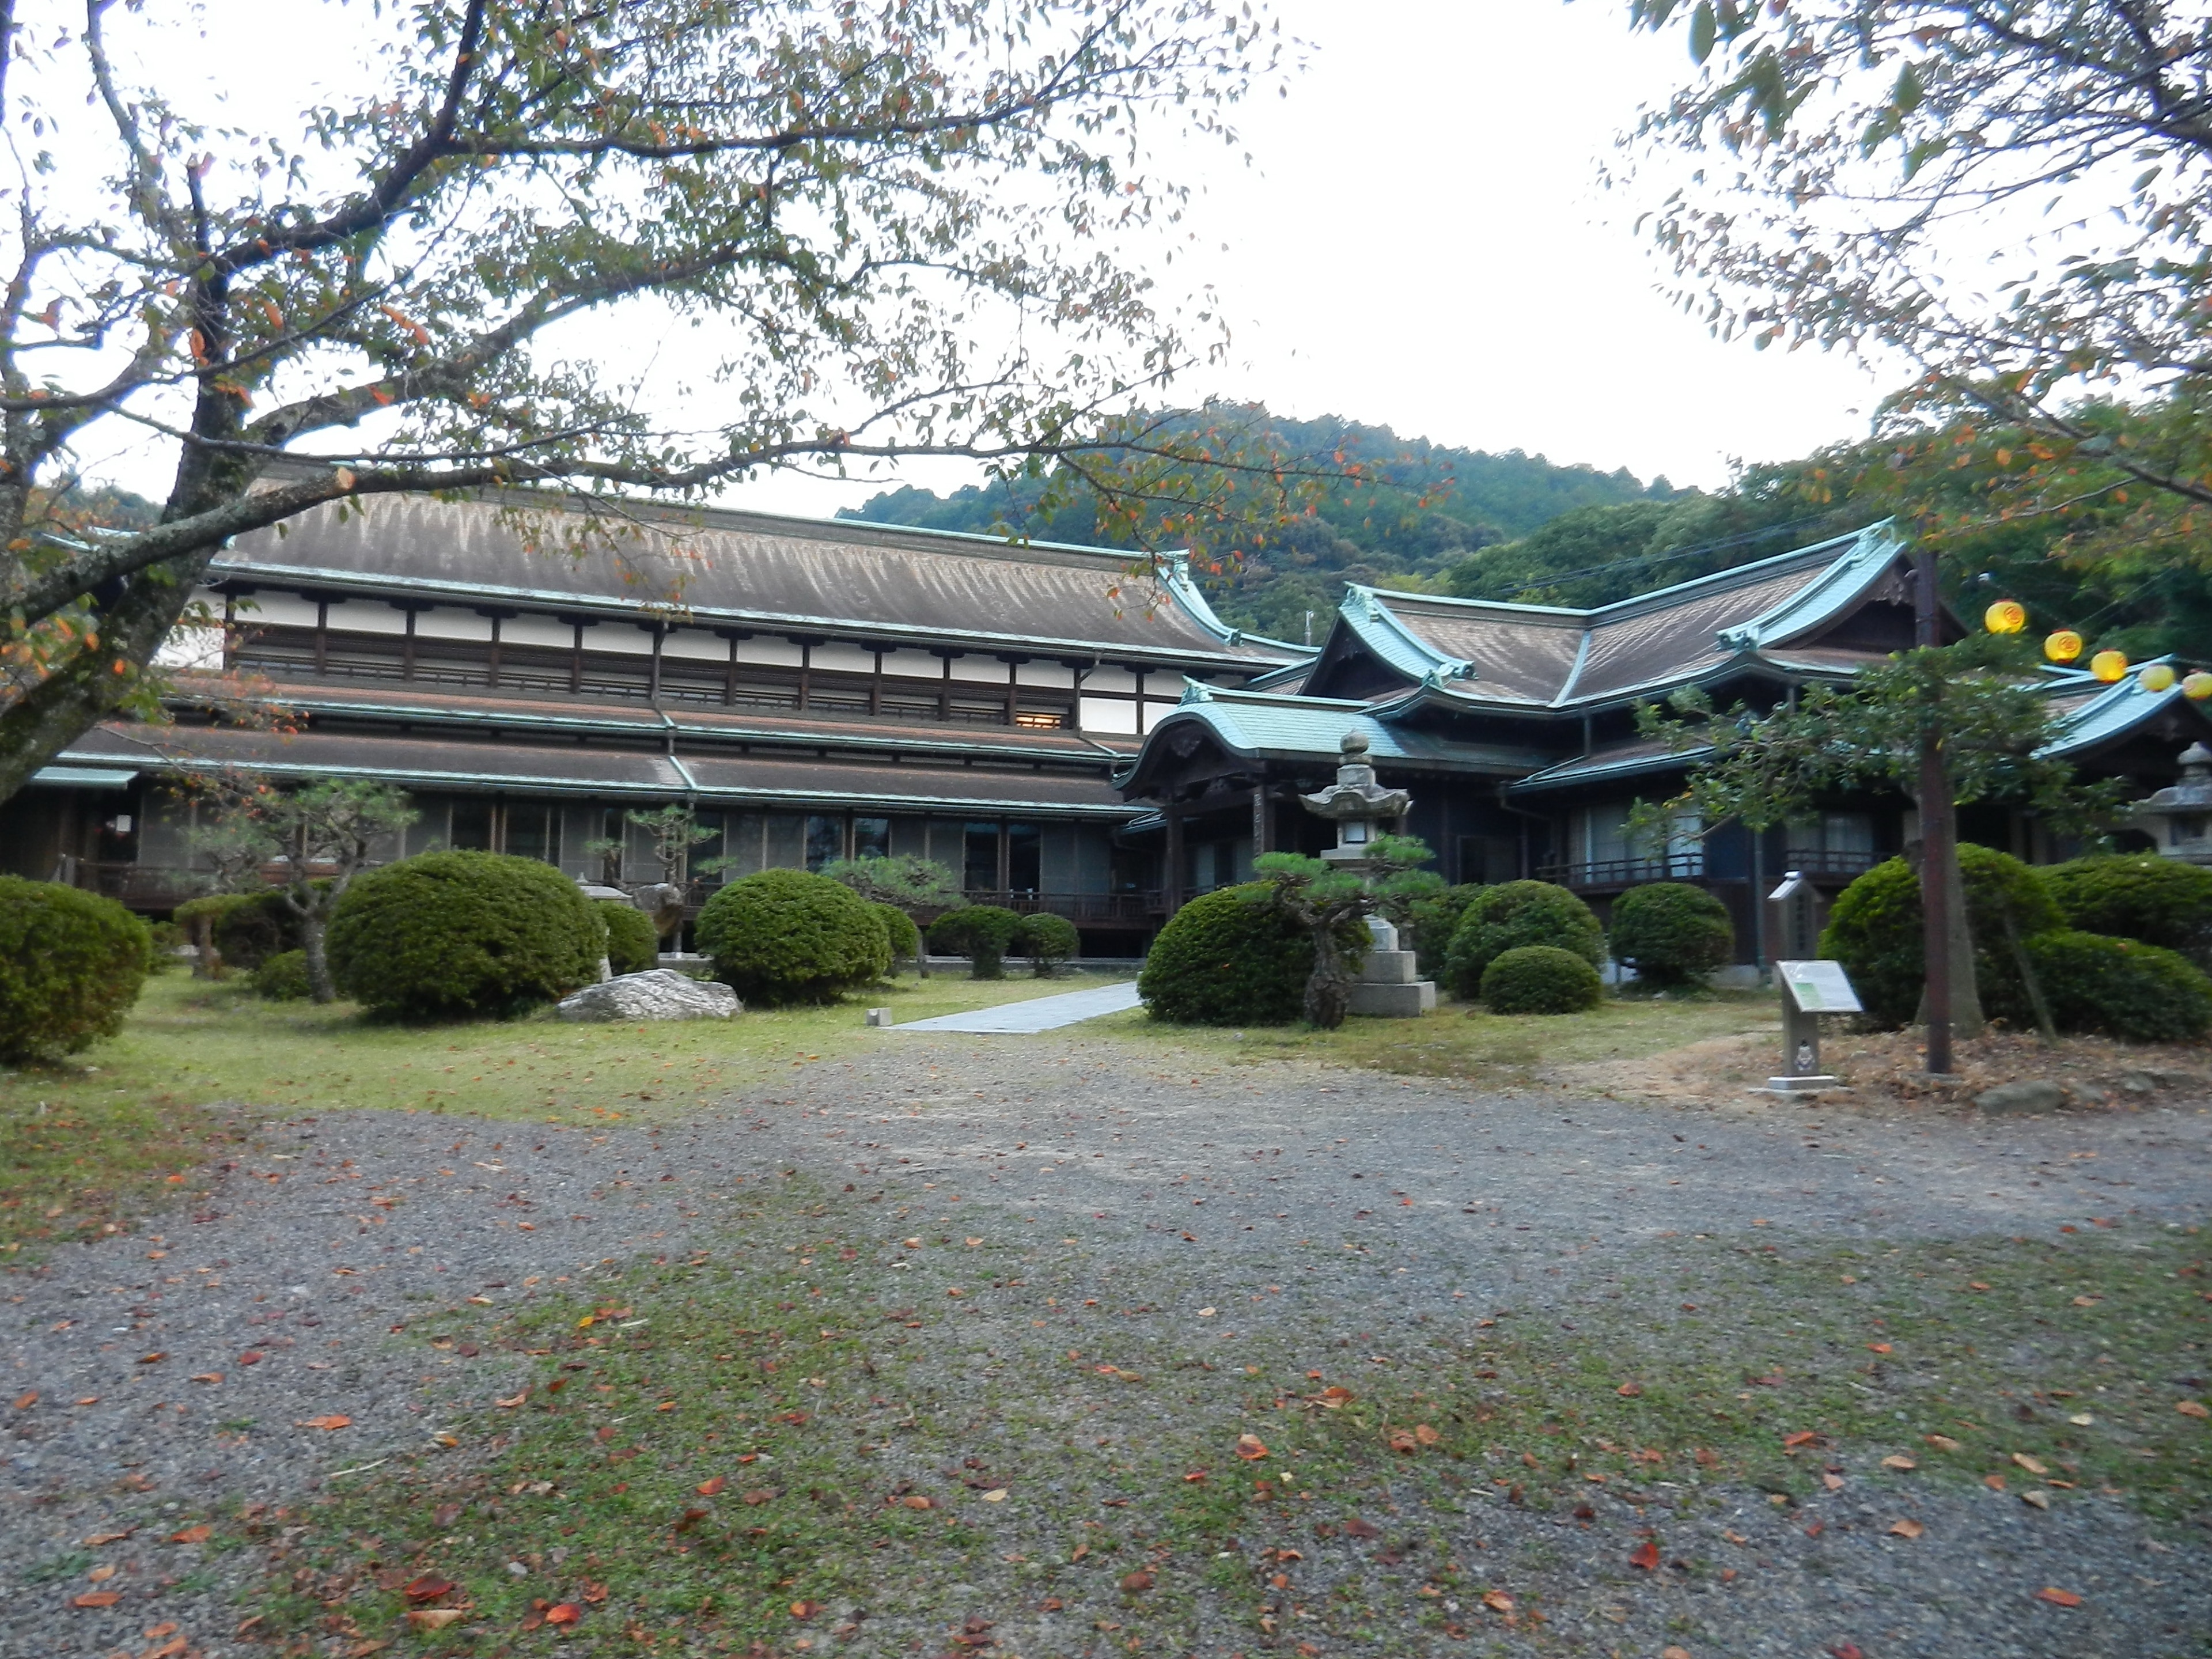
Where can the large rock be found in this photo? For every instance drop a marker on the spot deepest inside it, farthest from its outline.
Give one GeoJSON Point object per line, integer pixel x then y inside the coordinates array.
{"type": "Point", "coordinates": [2029, 1095]}
{"type": "Point", "coordinates": [656, 993]}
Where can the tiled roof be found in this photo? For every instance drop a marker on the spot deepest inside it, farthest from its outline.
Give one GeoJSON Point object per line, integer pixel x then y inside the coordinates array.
{"type": "Point", "coordinates": [573, 769]}
{"type": "Point", "coordinates": [841, 577]}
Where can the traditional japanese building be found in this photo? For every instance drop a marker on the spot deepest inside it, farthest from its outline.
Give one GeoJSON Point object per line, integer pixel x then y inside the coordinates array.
{"type": "Point", "coordinates": [1514, 726]}
{"type": "Point", "coordinates": [816, 690]}
{"type": "Point", "coordinates": [1063, 733]}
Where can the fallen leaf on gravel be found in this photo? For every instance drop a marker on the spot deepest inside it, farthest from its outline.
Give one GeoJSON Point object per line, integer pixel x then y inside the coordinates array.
{"type": "Point", "coordinates": [1994, 1482]}
{"type": "Point", "coordinates": [1203, 1313]}
{"type": "Point", "coordinates": [804, 1609]}
{"type": "Point", "coordinates": [150, 1358]}
{"type": "Point", "coordinates": [709, 1487]}
{"type": "Point", "coordinates": [916, 1501]}
{"type": "Point", "coordinates": [168, 1649]}
{"type": "Point", "coordinates": [435, 1618]}
{"type": "Point", "coordinates": [973, 1242]}
{"type": "Point", "coordinates": [1906, 1528]}
{"type": "Point", "coordinates": [24, 1403]}
{"type": "Point", "coordinates": [1333, 1397]}
{"type": "Point", "coordinates": [760, 1495]}
{"type": "Point", "coordinates": [1497, 1600]}
{"type": "Point", "coordinates": [100, 1575]}
{"type": "Point", "coordinates": [1402, 1442]}
{"type": "Point", "coordinates": [481, 1301]}
{"type": "Point", "coordinates": [1846, 1650]}
{"type": "Point", "coordinates": [198, 1534]}
{"type": "Point", "coordinates": [1894, 1462]}
{"type": "Point", "coordinates": [2029, 1463]}
{"type": "Point", "coordinates": [563, 1612]}
{"type": "Point", "coordinates": [1645, 1555]}
{"type": "Point", "coordinates": [1833, 1481]}
{"type": "Point", "coordinates": [251, 1357]}
{"type": "Point", "coordinates": [1358, 1527]}
{"type": "Point", "coordinates": [1425, 1435]}
{"type": "Point", "coordinates": [209, 1376]}
{"type": "Point", "coordinates": [99, 1538]}
{"type": "Point", "coordinates": [2087, 1301]}
{"type": "Point", "coordinates": [2081, 1420]}
{"type": "Point", "coordinates": [513, 1401]}
{"type": "Point", "coordinates": [996, 1495]}
{"type": "Point", "coordinates": [1195, 1477]}
{"type": "Point", "coordinates": [1139, 1580]}
{"type": "Point", "coordinates": [1801, 1437]}
{"type": "Point", "coordinates": [99, 1599]}
{"type": "Point", "coordinates": [1251, 1448]}
{"type": "Point", "coordinates": [2056, 1597]}
{"type": "Point", "coordinates": [328, 1420]}
{"type": "Point", "coordinates": [2192, 1409]}
{"type": "Point", "coordinates": [362, 1649]}
{"type": "Point", "coordinates": [2035, 1500]}
{"type": "Point", "coordinates": [691, 1518]}
{"type": "Point", "coordinates": [1673, 1653]}
{"type": "Point", "coordinates": [1878, 1347]}
{"type": "Point", "coordinates": [428, 1588]}
{"type": "Point", "coordinates": [1942, 1442]}
{"type": "Point", "coordinates": [1628, 1390]}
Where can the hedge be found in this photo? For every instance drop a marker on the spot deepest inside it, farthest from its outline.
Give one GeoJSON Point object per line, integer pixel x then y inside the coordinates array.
{"type": "Point", "coordinates": [283, 977]}
{"type": "Point", "coordinates": [1875, 931]}
{"type": "Point", "coordinates": [1229, 957]}
{"type": "Point", "coordinates": [633, 942]}
{"type": "Point", "coordinates": [1671, 934]}
{"type": "Point", "coordinates": [903, 938]}
{"type": "Point", "coordinates": [2120, 987]}
{"type": "Point", "coordinates": [1540, 979]}
{"type": "Point", "coordinates": [454, 933]}
{"type": "Point", "coordinates": [71, 963]}
{"type": "Point", "coordinates": [787, 936]}
{"type": "Point", "coordinates": [1514, 914]}
{"type": "Point", "coordinates": [2139, 896]}
{"type": "Point", "coordinates": [1432, 919]}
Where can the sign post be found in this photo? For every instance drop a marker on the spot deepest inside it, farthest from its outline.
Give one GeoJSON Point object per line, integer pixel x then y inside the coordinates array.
{"type": "Point", "coordinates": [1809, 989]}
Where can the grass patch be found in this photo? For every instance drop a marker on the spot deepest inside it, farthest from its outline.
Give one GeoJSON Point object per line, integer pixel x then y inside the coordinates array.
{"type": "Point", "coordinates": [98, 1140]}
{"type": "Point", "coordinates": [737, 1449]}
{"type": "Point", "coordinates": [1464, 1040]}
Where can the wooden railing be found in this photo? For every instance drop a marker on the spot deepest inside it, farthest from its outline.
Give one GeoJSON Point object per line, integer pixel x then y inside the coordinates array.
{"type": "Point", "coordinates": [1816, 861]}
{"type": "Point", "coordinates": [1626, 872]}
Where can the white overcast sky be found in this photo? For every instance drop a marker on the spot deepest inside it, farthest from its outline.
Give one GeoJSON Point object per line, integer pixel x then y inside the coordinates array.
{"type": "Point", "coordinates": [1420, 241]}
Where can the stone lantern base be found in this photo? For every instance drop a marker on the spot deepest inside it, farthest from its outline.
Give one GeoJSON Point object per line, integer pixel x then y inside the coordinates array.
{"type": "Point", "coordinates": [1386, 987]}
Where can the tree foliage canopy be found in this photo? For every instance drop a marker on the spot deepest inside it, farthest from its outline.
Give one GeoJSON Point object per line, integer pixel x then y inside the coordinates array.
{"type": "Point", "coordinates": [910, 226]}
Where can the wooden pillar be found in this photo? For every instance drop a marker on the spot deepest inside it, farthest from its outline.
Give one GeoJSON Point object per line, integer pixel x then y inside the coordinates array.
{"type": "Point", "coordinates": [1263, 821]}
{"type": "Point", "coordinates": [322, 636]}
{"type": "Point", "coordinates": [876, 686]}
{"type": "Point", "coordinates": [494, 676]}
{"type": "Point", "coordinates": [805, 664]}
{"type": "Point", "coordinates": [576, 661]}
{"type": "Point", "coordinates": [653, 685]}
{"type": "Point", "coordinates": [1171, 876]}
{"type": "Point", "coordinates": [729, 673]}
{"type": "Point", "coordinates": [945, 693]}
{"type": "Point", "coordinates": [1013, 691]}
{"type": "Point", "coordinates": [407, 650]}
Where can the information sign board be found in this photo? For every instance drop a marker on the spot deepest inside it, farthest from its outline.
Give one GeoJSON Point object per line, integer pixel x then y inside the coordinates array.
{"type": "Point", "coordinates": [1820, 988]}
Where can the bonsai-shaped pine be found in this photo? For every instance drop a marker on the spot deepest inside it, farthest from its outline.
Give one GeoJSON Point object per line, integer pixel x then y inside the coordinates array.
{"type": "Point", "coordinates": [319, 837]}
{"type": "Point", "coordinates": [1321, 897]}
{"type": "Point", "coordinates": [675, 831]}
{"type": "Point", "coordinates": [981, 933]}
{"type": "Point", "coordinates": [1047, 940]}
{"type": "Point", "coordinates": [920, 889]}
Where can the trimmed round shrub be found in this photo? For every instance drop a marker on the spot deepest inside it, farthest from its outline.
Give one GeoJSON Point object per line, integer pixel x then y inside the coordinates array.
{"type": "Point", "coordinates": [448, 934]}
{"type": "Point", "coordinates": [981, 933]}
{"type": "Point", "coordinates": [167, 939]}
{"type": "Point", "coordinates": [899, 931]}
{"type": "Point", "coordinates": [71, 963]}
{"type": "Point", "coordinates": [1430, 921]}
{"type": "Point", "coordinates": [2120, 987]}
{"type": "Point", "coordinates": [2139, 896]}
{"type": "Point", "coordinates": [1540, 979]}
{"type": "Point", "coordinates": [633, 942]}
{"type": "Point", "coordinates": [283, 977]}
{"type": "Point", "coordinates": [786, 936]}
{"type": "Point", "coordinates": [1671, 932]}
{"type": "Point", "coordinates": [1514, 914]}
{"type": "Point", "coordinates": [1047, 940]}
{"type": "Point", "coordinates": [1229, 957]}
{"type": "Point", "coordinates": [1875, 931]}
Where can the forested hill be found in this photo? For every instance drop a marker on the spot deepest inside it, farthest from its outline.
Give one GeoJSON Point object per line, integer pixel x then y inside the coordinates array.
{"type": "Point", "coordinates": [1421, 509]}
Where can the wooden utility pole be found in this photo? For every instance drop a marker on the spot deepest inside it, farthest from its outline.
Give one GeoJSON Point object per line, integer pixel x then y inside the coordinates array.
{"type": "Point", "coordinates": [1939, 831]}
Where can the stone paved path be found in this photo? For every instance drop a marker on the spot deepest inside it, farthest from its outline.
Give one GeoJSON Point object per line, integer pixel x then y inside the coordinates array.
{"type": "Point", "coordinates": [1038, 1014]}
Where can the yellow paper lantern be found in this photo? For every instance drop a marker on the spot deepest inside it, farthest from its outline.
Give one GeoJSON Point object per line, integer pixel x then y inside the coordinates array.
{"type": "Point", "coordinates": [2197, 687]}
{"type": "Point", "coordinates": [2005, 616]}
{"type": "Point", "coordinates": [2064, 645]}
{"type": "Point", "coordinates": [2155, 677]}
{"type": "Point", "coordinates": [2109, 666]}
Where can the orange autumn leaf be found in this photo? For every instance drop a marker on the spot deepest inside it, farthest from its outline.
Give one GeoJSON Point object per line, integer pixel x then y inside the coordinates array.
{"type": "Point", "coordinates": [24, 1403]}
{"type": "Point", "coordinates": [1801, 1437]}
{"type": "Point", "coordinates": [328, 1420]}
{"type": "Point", "coordinates": [435, 1618]}
{"type": "Point", "coordinates": [707, 1488]}
{"type": "Point", "coordinates": [1497, 1600]}
{"type": "Point", "coordinates": [99, 1599]}
{"type": "Point", "coordinates": [1333, 1397]}
{"type": "Point", "coordinates": [563, 1612]}
{"type": "Point", "coordinates": [428, 1588]}
{"type": "Point", "coordinates": [1251, 1448]}
{"type": "Point", "coordinates": [1139, 1580]}
{"type": "Point", "coordinates": [2056, 1597]}
{"type": "Point", "coordinates": [1425, 1435]}
{"type": "Point", "coordinates": [198, 1534]}
{"type": "Point", "coordinates": [1628, 1390]}
{"type": "Point", "coordinates": [1646, 1555]}
{"type": "Point", "coordinates": [1906, 1528]}
{"type": "Point", "coordinates": [1402, 1442]}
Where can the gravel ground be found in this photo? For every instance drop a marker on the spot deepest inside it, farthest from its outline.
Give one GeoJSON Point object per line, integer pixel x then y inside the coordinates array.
{"type": "Point", "coordinates": [175, 1369]}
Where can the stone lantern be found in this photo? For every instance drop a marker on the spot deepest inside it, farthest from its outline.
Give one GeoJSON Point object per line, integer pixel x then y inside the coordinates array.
{"type": "Point", "coordinates": [2179, 817]}
{"type": "Point", "coordinates": [1360, 806]}
{"type": "Point", "coordinates": [1362, 810]}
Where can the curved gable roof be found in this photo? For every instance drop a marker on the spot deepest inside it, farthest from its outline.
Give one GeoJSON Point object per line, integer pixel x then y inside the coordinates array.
{"type": "Point", "coordinates": [833, 576]}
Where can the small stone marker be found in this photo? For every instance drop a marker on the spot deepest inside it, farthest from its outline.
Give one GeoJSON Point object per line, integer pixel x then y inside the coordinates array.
{"type": "Point", "coordinates": [880, 1016]}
